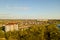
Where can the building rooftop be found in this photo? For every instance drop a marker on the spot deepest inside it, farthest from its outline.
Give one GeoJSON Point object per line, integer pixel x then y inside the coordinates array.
{"type": "Point", "coordinates": [11, 23]}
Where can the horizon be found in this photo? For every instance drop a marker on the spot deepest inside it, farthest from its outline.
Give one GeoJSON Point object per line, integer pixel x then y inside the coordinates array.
{"type": "Point", "coordinates": [29, 9]}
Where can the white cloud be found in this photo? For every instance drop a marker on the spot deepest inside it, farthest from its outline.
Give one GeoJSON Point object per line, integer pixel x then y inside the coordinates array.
{"type": "Point", "coordinates": [18, 8]}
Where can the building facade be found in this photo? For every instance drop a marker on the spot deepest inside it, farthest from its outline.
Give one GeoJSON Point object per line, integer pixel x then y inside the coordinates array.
{"type": "Point", "coordinates": [11, 27]}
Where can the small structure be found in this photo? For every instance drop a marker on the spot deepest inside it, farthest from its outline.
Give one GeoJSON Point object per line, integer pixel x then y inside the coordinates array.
{"type": "Point", "coordinates": [58, 25]}
{"type": "Point", "coordinates": [11, 26]}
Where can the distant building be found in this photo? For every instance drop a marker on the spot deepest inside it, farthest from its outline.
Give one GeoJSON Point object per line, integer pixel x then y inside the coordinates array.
{"type": "Point", "coordinates": [42, 19]}
{"type": "Point", "coordinates": [58, 25]}
{"type": "Point", "coordinates": [11, 26]}
{"type": "Point", "coordinates": [24, 27]}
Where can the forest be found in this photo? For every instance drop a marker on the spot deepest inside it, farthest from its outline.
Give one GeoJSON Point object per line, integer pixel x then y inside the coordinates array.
{"type": "Point", "coordinates": [35, 32]}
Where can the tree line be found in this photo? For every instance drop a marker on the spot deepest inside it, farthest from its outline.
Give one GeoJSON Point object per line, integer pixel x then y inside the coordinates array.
{"type": "Point", "coordinates": [35, 32]}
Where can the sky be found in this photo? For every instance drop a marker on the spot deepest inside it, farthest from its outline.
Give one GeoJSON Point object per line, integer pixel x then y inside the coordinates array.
{"type": "Point", "coordinates": [29, 9]}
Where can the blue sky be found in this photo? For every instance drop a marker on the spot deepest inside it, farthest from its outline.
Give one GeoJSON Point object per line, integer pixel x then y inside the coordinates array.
{"type": "Point", "coordinates": [29, 9]}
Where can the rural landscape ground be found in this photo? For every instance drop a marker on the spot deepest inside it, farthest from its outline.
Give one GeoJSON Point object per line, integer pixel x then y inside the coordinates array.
{"type": "Point", "coordinates": [30, 29]}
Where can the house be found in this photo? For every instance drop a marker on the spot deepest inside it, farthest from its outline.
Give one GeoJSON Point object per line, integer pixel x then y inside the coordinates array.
{"type": "Point", "coordinates": [11, 26]}
{"type": "Point", "coordinates": [24, 27]}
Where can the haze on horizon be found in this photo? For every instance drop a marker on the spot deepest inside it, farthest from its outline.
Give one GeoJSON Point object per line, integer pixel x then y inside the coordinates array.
{"type": "Point", "coordinates": [29, 9]}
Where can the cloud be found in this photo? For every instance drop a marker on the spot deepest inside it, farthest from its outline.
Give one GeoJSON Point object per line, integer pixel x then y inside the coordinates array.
{"type": "Point", "coordinates": [18, 8]}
